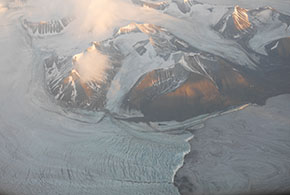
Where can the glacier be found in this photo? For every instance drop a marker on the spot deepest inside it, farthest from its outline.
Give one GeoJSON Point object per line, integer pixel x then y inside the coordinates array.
{"type": "Point", "coordinates": [97, 97]}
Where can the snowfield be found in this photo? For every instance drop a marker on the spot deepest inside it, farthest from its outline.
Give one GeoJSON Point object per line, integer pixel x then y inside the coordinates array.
{"type": "Point", "coordinates": [80, 79]}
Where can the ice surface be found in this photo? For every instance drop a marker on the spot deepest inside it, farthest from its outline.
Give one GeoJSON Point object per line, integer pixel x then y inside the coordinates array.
{"type": "Point", "coordinates": [244, 152]}
{"type": "Point", "coordinates": [48, 149]}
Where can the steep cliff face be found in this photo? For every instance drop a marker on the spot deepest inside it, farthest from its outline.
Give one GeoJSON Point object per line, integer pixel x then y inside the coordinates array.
{"type": "Point", "coordinates": [178, 94]}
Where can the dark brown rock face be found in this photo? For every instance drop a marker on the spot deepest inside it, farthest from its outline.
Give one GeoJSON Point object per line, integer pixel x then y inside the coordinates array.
{"type": "Point", "coordinates": [158, 99]}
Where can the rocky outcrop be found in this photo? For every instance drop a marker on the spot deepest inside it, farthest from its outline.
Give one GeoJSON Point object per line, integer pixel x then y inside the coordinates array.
{"type": "Point", "coordinates": [280, 49]}
{"type": "Point", "coordinates": [46, 28]}
{"type": "Point", "coordinates": [178, 94]}
{"type": "Point", "coordinates": [65, 83]}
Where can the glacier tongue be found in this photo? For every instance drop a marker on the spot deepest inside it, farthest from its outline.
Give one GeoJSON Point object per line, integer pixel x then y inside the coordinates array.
{"type": "Point", "coordinates": [46, 150]}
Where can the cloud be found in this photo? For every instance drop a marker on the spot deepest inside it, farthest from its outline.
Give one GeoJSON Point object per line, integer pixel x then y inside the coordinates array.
{"type": "Point", "coordinates": [100, 15]}
{"type": "Point", "coordinates": [93, 16]}
{"type": "Point", "coordinates": [2, 8]}
{"type": "Point", "coordinates": [91, 65]}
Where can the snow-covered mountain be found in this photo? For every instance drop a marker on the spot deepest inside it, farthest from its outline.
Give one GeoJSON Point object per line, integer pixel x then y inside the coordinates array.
{"type": "Point", "coordinates": [173, 79]}
{"type": "Point", "coordinates": [97, 96]}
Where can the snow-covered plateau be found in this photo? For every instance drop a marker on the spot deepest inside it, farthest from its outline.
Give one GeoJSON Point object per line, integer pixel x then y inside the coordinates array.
{"type": "Point", "coordinates": [105, 96]}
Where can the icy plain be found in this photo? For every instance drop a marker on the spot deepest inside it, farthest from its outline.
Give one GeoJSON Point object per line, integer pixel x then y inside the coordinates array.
{"type": "Point", "coordinates": [45, 149]}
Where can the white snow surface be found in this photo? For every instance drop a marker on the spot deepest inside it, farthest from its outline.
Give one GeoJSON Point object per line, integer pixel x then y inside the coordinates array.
{"type": "Point", "coordinates": [244, 152]}
{"type": "Point", "coordinates": [280, 5]}
{"type": "Point", "coordinates": [46, 150]}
